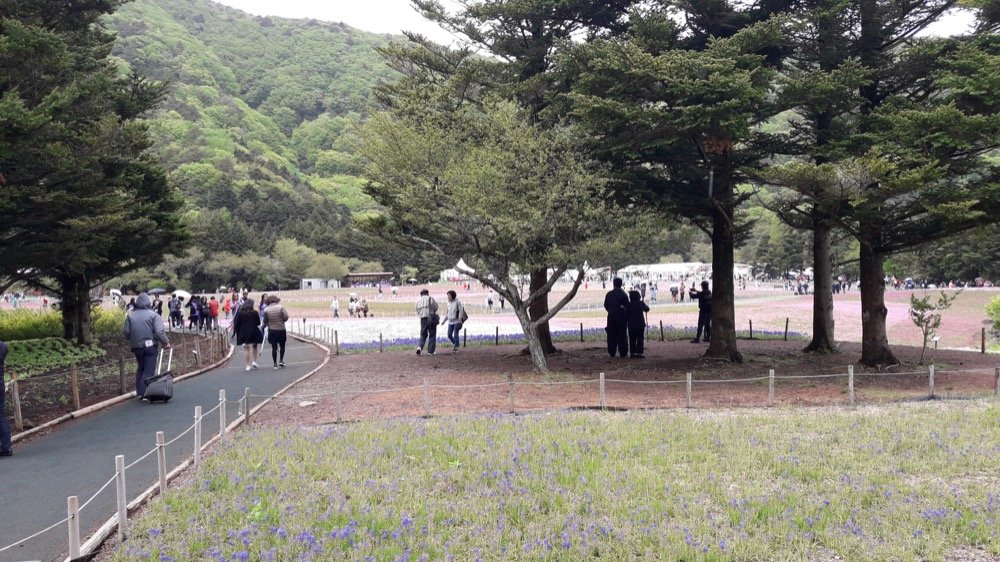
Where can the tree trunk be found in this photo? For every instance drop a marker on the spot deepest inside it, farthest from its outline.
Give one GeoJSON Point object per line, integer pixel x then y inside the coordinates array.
{"type": "Point", "coordinates": [76, 317]}
{"type": "Point", "coordinates": [535, 348]}
{"type": "Point", "coordinates": [68, 307]}
{"type": "Point", "coordinates": [723, 343]}
{"type": "Point", "coordinates": [540, 308]}
{"type": "Point", "coordinates": [874, 341]}
{"type": "Point", "coordinates": [822, 340]}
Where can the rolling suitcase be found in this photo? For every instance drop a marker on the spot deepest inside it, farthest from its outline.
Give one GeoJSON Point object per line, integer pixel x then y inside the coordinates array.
{"type": "Point", "coordinates": [160, 388]}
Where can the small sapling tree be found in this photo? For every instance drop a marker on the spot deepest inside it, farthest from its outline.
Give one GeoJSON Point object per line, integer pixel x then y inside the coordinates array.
{"type": "Point", "coordinates": [926, 315]}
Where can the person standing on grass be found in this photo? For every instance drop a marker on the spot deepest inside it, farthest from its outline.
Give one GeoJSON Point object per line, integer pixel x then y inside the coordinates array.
{"type": "Point", "coordinates": [144, 331]}
{"type": "Point", "coordinates": [636, 324]}
{"type": "Point", "coordinates": [616, 303]}
{"type": "Point", "coordinates": [455, 316]}
{"type": "Point", "coordinates": [246, 330]}
{"type": "Point", "coordinates": [5, 447]}
{"type": "Point", "coordinates": [274, 318]}
{"type": "Point", "coordinates": [704, 297]}
{"type": "Point", "coordinates": [427, 311]}
{"type": "Point", "coordinates": [335, 307]}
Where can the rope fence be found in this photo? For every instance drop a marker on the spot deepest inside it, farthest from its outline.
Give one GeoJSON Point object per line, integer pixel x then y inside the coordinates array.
{"type": "Point", "coordinates": [44, 398]}
{"type": "Point", "coordinates": [75, 547]}
{"type": "Point", "coordinates": [346, 398]}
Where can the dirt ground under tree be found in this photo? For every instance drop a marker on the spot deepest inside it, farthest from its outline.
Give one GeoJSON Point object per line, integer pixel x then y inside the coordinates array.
{"type": "Point", "coordinates": [477, 380]}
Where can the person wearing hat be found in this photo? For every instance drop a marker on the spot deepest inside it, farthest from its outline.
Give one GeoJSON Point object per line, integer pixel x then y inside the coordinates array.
{"type": "Point", "coordinates": [704, 297]}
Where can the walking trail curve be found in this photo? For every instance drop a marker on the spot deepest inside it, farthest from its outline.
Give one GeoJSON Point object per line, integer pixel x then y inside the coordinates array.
{"type": "Point", "coordinates": [78, 458]}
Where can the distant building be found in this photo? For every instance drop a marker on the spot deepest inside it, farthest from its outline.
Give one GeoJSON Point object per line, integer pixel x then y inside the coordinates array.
{"type": "Point", "coordinates": [320, 284]}
{"type": "Point", "coordinates": [371, 278]}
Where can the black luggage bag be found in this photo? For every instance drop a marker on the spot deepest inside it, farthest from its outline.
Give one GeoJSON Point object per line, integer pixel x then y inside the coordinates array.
{"type": "Point", "coordinates": [160, 387]}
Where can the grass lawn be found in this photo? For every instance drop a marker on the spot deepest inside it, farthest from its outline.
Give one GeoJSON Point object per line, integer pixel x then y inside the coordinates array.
{"type": "Point", "coordinates": [909, 482]}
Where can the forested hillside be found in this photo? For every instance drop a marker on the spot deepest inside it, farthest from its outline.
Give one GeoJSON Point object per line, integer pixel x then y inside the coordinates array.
{"type": "Point", "coordinates": [254, 127]}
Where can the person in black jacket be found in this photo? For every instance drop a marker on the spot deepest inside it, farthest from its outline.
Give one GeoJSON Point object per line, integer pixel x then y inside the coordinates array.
{"type": "Point", "coordinates": [636, 323]}
{"type": "Point", "coordinates": [704, 297]}
{"type": "Point", "coordinates": [246, 329]}
{"type": "Point", "coordinates": [616, 303]}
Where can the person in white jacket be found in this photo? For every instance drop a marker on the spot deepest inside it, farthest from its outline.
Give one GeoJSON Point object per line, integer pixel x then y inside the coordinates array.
{"type": "Point", "coordinates": [427, 311]}
{"type": "Point", "coordinates": [455, 316]}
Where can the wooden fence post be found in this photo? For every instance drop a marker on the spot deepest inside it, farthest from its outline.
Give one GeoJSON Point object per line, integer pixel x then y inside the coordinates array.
{"type": "Point", "coordinates": [197, 351]}
{"type": "Point", "coordinates": [339, 401]}
{"type": "Point", "coordinates": [222, 414]}
{"type": "Point", "coordinates": [751, 328]}
{"type": "Point", "coordinates": [73, 511]}
{"type": "Point", "coordinates": [786, 328]}
{"type": "Point", "coordinates": [498, 335]}
{"type": "Point", "coordinates": [121, 375]}
{"type": "Point", "coordinates": [15, 398]}
{"type": "Point", "coordinates": [604, 403]}
{"type": "Point", "coordinates": [983, 340]}
{"type": "Point", "coordinates": [427, 398]}
{"type": "Point", "coordinates": [930, 382]}
{"type": "Point", "coordinates": [689, 398]}
{"type": "Point", "coordinates": [850, 384]}
{"type": "Point", "coordinates": [380, 342]}
{"type": "Point", "coordinates": [246, 406]}
{"type": "Point", "coordinates": [661, 331]}
{"type": "Point", "coordinates": [161, 460]}
{"type": "Point", "coordinates": [122, 498]}
{"type": "Point", "coordinates": [465, 337]}
{"type": "Point", "coordinates": [510, 391]}
{"type": "Point", "coordinates": [197, 436]}
{"type": "Point", "coordinates": [336, 343]}
{"type": "Point", "coordinates": [996, 373]}
{"type": "Point", "coordinates": [74, 384]}
{"type": "Point", "coordinates": [770, 388]}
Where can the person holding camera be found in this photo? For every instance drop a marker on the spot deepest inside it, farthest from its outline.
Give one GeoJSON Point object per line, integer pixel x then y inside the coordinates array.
{"type": "Point", "coordinates": [704, 297]}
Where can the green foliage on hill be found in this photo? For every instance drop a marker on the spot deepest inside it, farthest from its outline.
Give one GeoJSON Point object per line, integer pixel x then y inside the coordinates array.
{"type": "Point", "coordinates": [256, 126]}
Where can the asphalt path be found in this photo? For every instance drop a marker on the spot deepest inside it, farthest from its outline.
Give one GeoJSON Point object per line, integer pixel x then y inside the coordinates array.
{"type": "Point", "coordinates": [78, 457]}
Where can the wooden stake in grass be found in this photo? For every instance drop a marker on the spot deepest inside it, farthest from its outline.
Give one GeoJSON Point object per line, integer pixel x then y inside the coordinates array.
{"type": "Point", "coordinates": [498, 335]}
{"type": "Point", "coordinates": [661, 331]}
{"type": "Point", "coordinates": [16, 399]}
{"type": "Point", "coordinates": [930, 382]}
{"type": "Point", "coordinates": [770, 388]}
{"type": "Point", "coordinates": [581, 332]}
{"type": "Point", "coordinates": [604, 404]}
{"type": "Point", "coordinates": [465, 337]}
{"type": "Point", "coordinates": [380, 342]}
{"type": "Point", "coordinates": [786, 328]}
{"type": "Point", "coordinates": [336, 343]}
{"type": "Point", "coordinates": [427, 398]}
{"type": "Point", "coordinates": [996, 373]}
{"type": "Point", "coordinates": [983, 340]}
{"type": "Point", "coordinates": [74, 385]}
{"type": "Point", "coordinates": [689, 398]}
{"type": "Point", "coordinates": [510, 391]}
{"type": "Point", "coordinates": [121, 375]}
{"type": "Point", "coordinates": [850, 384]}
{"type": "Point", "coordinates": [751, 328]}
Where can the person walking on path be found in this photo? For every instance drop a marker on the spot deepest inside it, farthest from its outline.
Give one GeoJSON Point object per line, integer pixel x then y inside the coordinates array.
{"type": "Point", "coordinates": [704, 297]}
{"type": "Point", "coordinates": [195, 307]}
{"type": "Point", "coordinates": [455, 316]}
{"type": "Point", "coordinates": [427, 311]}
{"type": "Point", "coordinates": [213, 313]}
{"type": "Point", "coordinates": [5, 448]}
{"type": "Point", "coordinates": [616, 303]}
{"type": "Point", "coordinates": [636, 324]}
{"type": "Point", "coordinates": [246, 330]}
{"type": "Point", "coordinates": [144, 331]}
{"type": "Point", "coordinates": [335, 307]}
{"type": "Point", "coordinates": [274, 318]}
{"type": "Point", "coordinates": [227, 307]}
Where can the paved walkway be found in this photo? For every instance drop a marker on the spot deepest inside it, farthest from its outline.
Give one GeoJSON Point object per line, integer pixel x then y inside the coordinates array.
{"type": "Point", "coordinates": [78, 458]}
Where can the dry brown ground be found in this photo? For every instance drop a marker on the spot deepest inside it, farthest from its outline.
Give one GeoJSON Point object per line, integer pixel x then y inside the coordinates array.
{"type": "Point", "coordinates": [376, 385]}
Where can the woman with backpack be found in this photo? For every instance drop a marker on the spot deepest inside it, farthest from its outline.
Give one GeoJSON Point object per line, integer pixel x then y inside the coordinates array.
{"type": "Point", "coordinates": [246, 330]}
{"type": "Point", "coordinates": [455, 316]}
{"type": "Point", "coordinates": [275, 317]}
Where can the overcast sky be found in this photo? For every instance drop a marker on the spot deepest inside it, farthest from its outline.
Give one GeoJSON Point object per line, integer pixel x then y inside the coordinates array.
{"type": "Point", "coordinates": [394, 16]}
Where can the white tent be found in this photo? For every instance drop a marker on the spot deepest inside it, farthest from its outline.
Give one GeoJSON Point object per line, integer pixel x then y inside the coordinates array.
{"type": "Point", "coordinates": [460, 272]}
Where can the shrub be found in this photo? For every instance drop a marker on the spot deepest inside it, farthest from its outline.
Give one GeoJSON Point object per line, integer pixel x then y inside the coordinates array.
{"type": "Point", "coordinates": [993, 311]}
{"type": "Point", "coordinates": [23, 324]}
{"type": "Point", "coordinates": [32, 357]}
{"type": "Point", "coordinates": [108, 322]}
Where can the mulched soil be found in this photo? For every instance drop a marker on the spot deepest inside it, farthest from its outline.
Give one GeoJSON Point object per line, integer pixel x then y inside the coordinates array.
{"type": "Point", "coordinates": [386, 385]}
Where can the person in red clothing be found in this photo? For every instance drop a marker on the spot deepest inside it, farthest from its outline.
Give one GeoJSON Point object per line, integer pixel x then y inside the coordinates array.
{"type": "Point", "coordinates": [213, 314]}
{"type": "Point", "coordinates": [227, 306]}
